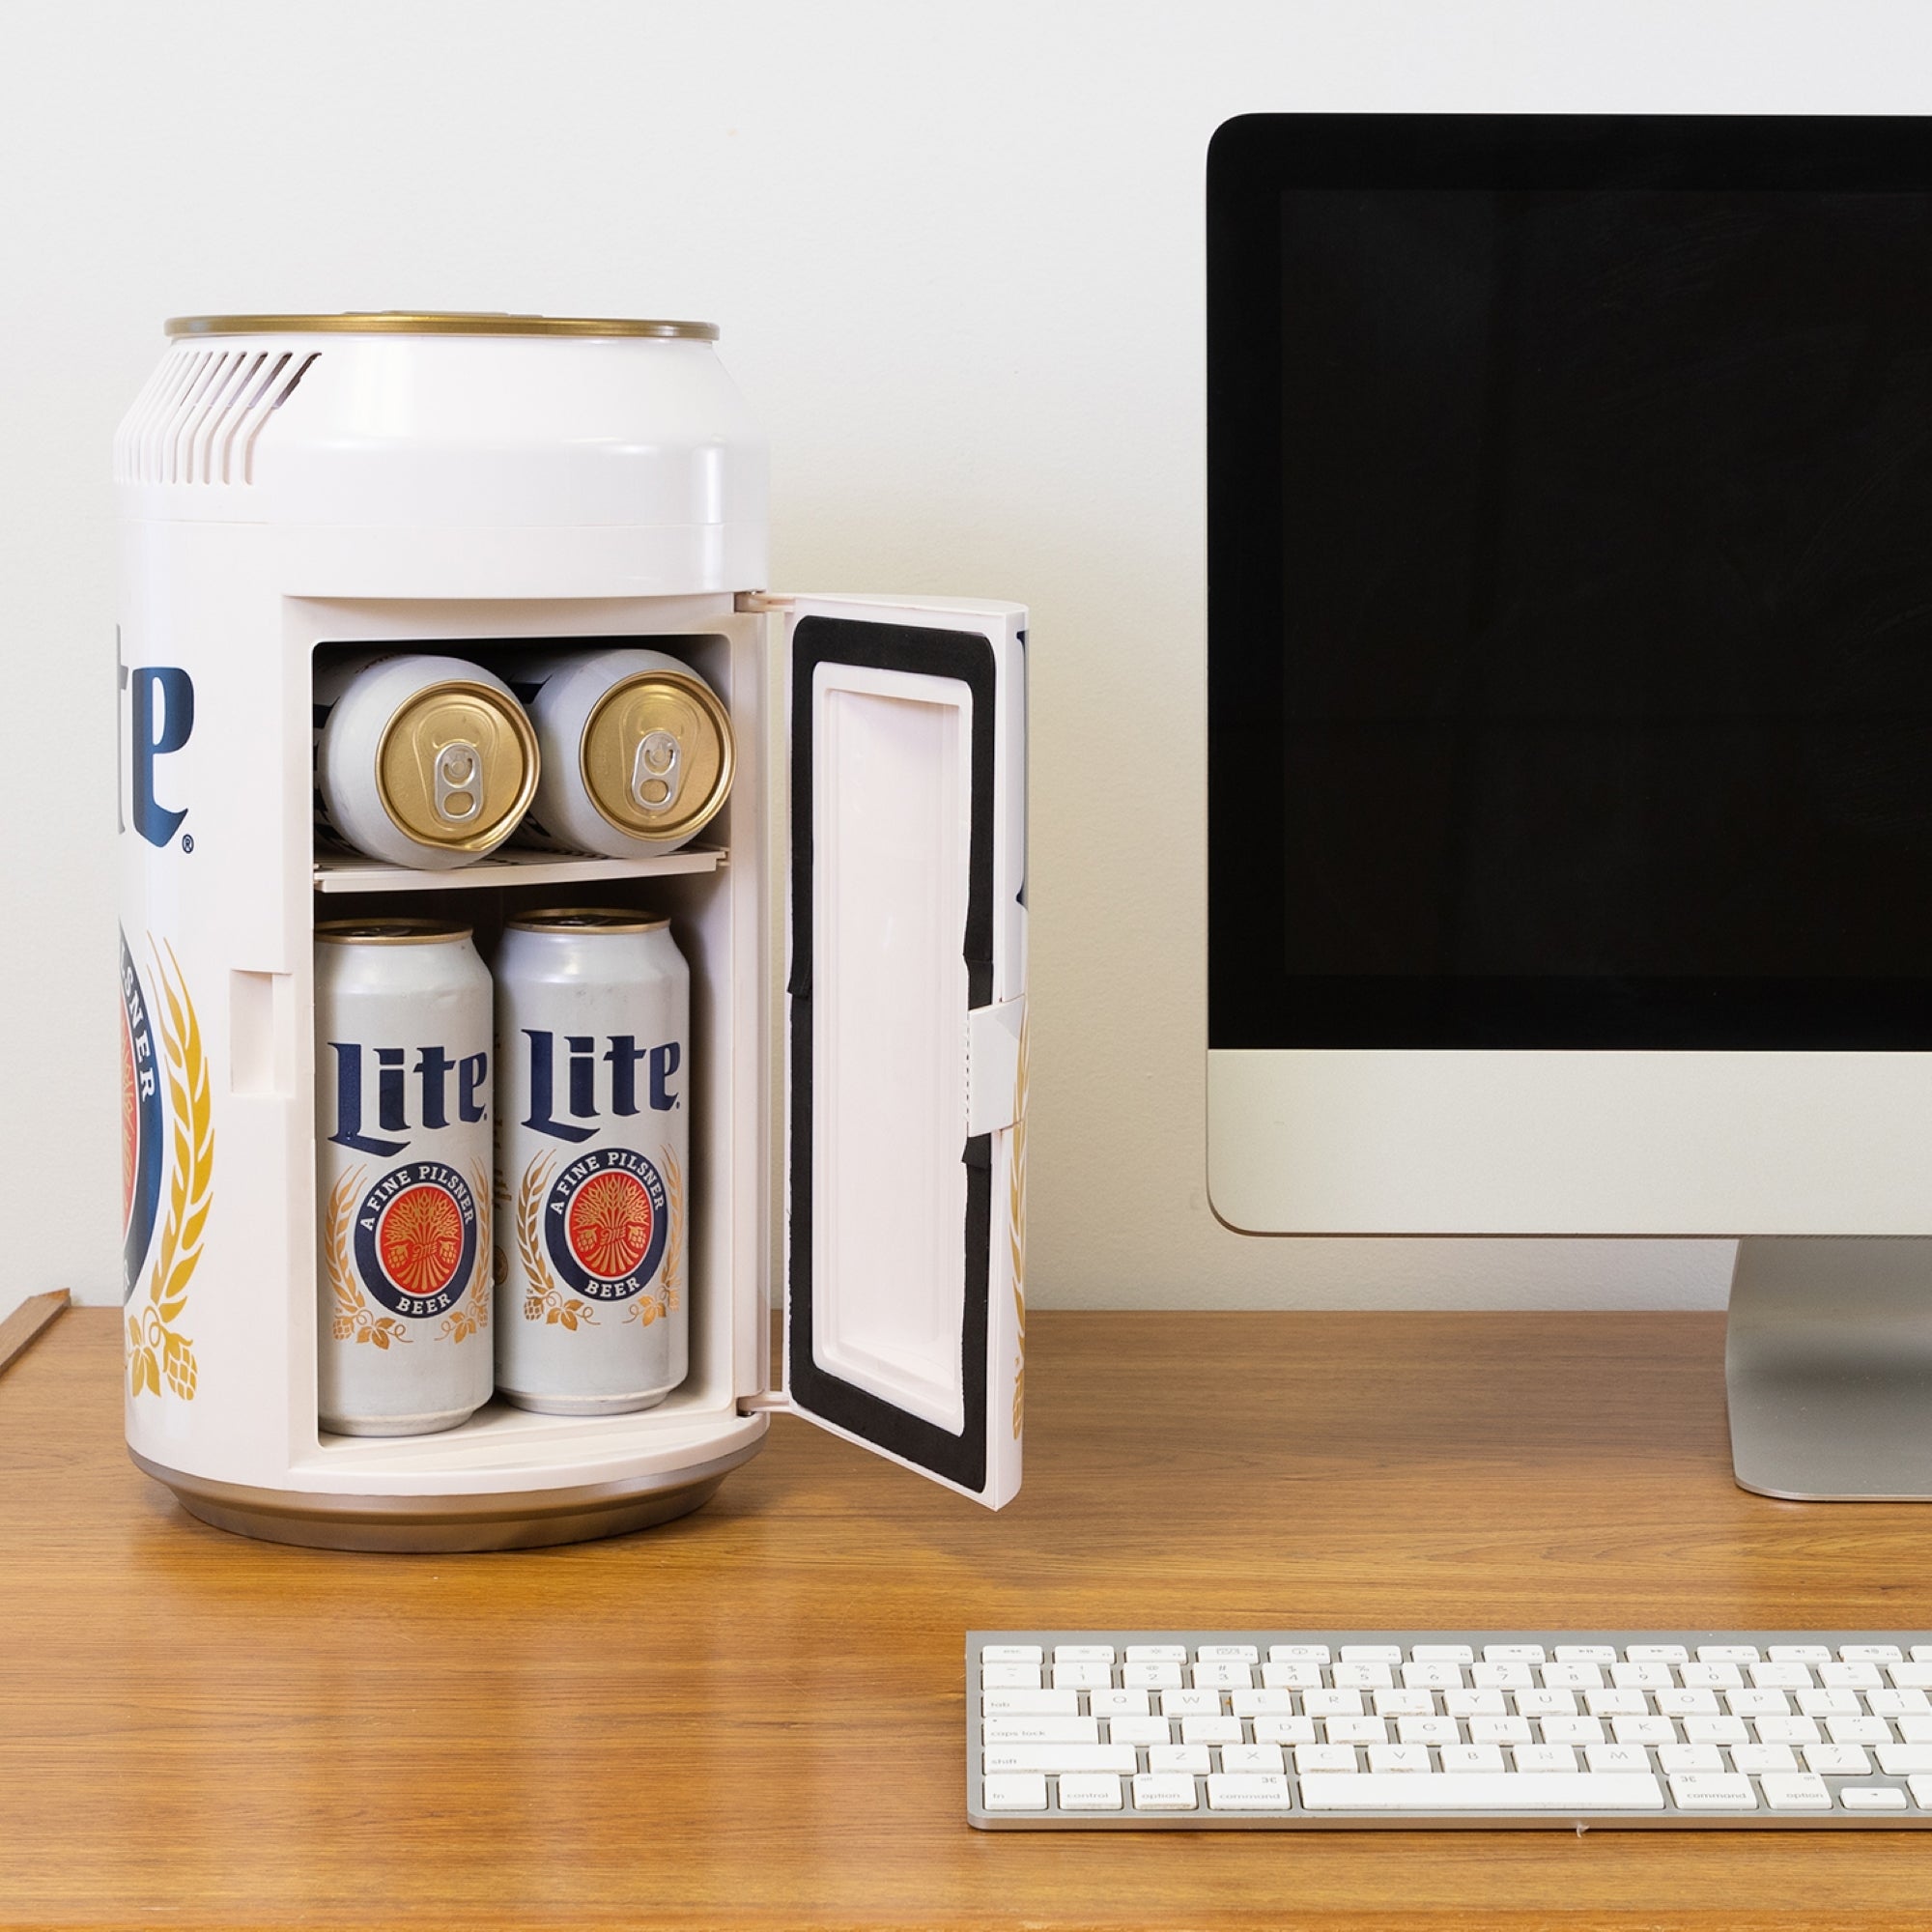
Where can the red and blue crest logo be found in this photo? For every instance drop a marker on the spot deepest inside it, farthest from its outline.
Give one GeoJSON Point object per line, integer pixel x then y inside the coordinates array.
{"type": "Point", "coordinates": [606, 1224]}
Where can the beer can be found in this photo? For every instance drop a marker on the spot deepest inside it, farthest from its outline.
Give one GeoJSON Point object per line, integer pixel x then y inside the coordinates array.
{"type": "Point", "coordinates": [403, 1090]}
{"type": "Point", "coordinates": [636, 750]}
{"type": "Point", "coordinates": [423, 760]}
{"type": "Point", "coordinates": [593, 1064]}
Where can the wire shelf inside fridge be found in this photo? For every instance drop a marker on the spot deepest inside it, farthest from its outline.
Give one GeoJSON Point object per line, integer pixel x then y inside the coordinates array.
{"type": "Point", "coordinates": [351, 872]}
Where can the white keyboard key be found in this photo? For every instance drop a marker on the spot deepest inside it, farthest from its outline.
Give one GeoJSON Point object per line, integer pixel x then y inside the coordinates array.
{"type": "Point", "coordinates": [1139, 1731]}
{"type": "Point", "coordinates": [1874, 1652]}
{"type": "Point", "coordinates": [1084, 1791]}
{"type": "Point", "coordinates": [1571, 1730]}
{"type": "Point", "coordinates": [1474, 1757]}
{"type": "Point", "coordinates": [1717, 1731]}
{"type": "Point", "coordinates": [1221, 1675]}
{"type": "Point", "coordinates": [1179, 1760]}
{"type": "Point", "coordinates": [1260, 1758]}
{"type": "Point", "coordinates": [1427, 1676]}
{"type": "Point", "coordinates": [1914, 1730]}
{"type": "Point", "coordinates": [1641, 1675]}
{"type": "Point", "coordinates": [1372, 1653]}
{"type": "Point", "coordinates": [1626, 1703]}
{"type": "Point", "coordinates": [1620, 1757]}
{"type": "Point", "coordinates": [1157, 1653]}
{"type": "Point", "coordinates": [1479, 1791]}
{"type": "Point", "coordinates": [1922, 1792]}
{"type": "Point", "coordinates": [1499, 1731]}
{"type": "Point", "coordinates": [1053, 1759]}
{"type": "Point", "coordinates": [1408, 1758]}
{"type": "Point", "coordinates": [1654, 1730]}
{"type": "Point", "coordinates": [1190, 1703]}
{"type": "Point", "coordinates": [1656, 1653]}
{"type": "Point", "coordinates": [1545, 1759]}
{"type": "Point", "coordinates": [1442, 1653]}
{"type": "Point", "coordinates": [1871, 1797]}
{"type": "Point", "coordinates": [1799, 1653]}
{"type": "Point", "coordinates": [1713, 1791]}
{"type": "Point", "coordinates": [1260, 1703]}
{"type": "Point", "coordinates": [1226, 1653]}
{"type": "Point", "coordinates": [1674, 1758]}
{"type": "Point", "coordinates": [1297, 1653]}
{"type": "Point", "coordinates": [1572, 1677]}
{"type": "Point", "coordinates": [1010, 1653]}
{"type": "Point", "coordinates": [1545, 1703]}
{"type": "Point", "coordinates": [1361, 1676]}
{"type": "Point", "coordinates": [1836, 1760]}
{"type": "Point", "coordinates": [1903, 1760]}
{"type": "Point", "coordinates": [1780, 1676]}
{"type": "Point", "coordinates": [1727, 1653]}
{"type": "Point", "coordinates": [1513, 1652]}
{"type": "Point", "coordinates": [1028, 1703]}
{"type": "Point", "coordinates": [1283, 1730]}
{"type": "Point", "coordinates": [1856, 1675]}
{"type": "Point", "coordinates": [1721, 1675]}
{"type": "Point", "coordinates": [1330, 1758]}
{"type": "Point", "coordinates": [1830, 1704]}
{"type": "Point", "coordinates": [1761, 1758]}
{"type": "Point", "coordinates": [1502, 1676]}
{"type": "Point", "coordinates": [1429, 1730]}
{"type": "Point", "coordinates": [1015, 1791]}
{"type": "Point", "coordinates": [1151, 1676]}
{"type": "Point", "coordinates": [1475, 1703]}
{"type": "Point", "coordinates": [1786, 1730]}
{"type": "Point", "coordinates": [1692, 1703]}
{"type": "Point", "coordinates": [1114, 1703]}
{"type": "Point", "coordinates": [1911, 1676]}
{"type": "Point", "coordinates": [1898, 1704]}
{"type": "Point", "coordinates": [1332, 1703]}
{"type": "Point", "coordinates": [1082, 1676]}
{"type": "Point", "coordinates": [1795, 1791]}
{"type": "Point", "coordinates": [1859, 1730]}
{"type": "Point", "coordinates": [1157, 1791]}
{"type": "Point", "coordinates": [1354, 1730]}
{"type": "Point", "coordinates": [1922, 1653]}
{"type": "Point", "coordinates": [1231, 1791]}
{"type": "Point", "coordinates": [1211, 1730]}
{"type": "Point", "coordinates": [1084, 1652]}
{"type": "Point", "coordinates": [1292, 1674]}
{"type": "Point", "coordinates": [1039, 1731]}
{"type": "Point", "coordinates": [1757, 1703]}
{"type": "Point", "coordinates": [1585, 1653]}
{"type": "Point", "coordinates": [1403, 1703]}
{"type": "Point", "coordinates": [1009, 1677]}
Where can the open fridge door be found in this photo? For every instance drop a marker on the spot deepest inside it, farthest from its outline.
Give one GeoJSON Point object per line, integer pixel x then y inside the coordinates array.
{"type": "Point", "coordinates": [905, 1051]}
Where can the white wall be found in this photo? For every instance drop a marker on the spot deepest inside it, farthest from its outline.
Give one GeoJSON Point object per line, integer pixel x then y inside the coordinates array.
{"type": "Point", "coordinates": [956, 254]}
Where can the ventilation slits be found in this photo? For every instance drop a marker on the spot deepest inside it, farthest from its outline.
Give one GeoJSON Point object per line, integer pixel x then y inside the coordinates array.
{"type": "Point", "coordinates": [199, 418]}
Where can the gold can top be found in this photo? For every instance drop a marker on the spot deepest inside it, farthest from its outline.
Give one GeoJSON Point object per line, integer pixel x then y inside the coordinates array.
{"type": "Point", "coordinates": [436, 321]}
{"type": "Point", "coordinates": [657, 755]}
{"type": "Point", "coordinates": [388, 932]}
{"type": "Point", "coordinates": [586, 919]}
{"type": "Point", "coordinates": [457, 766]}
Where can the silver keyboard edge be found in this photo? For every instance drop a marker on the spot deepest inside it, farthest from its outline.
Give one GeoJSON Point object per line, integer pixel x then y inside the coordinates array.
{"type": "Point", "coordinates": [1300, 1820]}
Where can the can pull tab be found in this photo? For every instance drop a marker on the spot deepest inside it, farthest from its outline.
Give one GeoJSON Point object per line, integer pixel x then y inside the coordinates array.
{"type": "Point", "coordinates": [657, 772]}
{"type": "Point", "coordinates": [458, 781]}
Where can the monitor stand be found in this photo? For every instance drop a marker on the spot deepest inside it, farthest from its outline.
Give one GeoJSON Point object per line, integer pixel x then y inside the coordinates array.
{"type": "Point", "coordinates": [1828, 1361]}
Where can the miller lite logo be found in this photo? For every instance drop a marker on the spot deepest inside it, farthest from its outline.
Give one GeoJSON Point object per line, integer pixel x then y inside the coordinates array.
{"type": "Point", "coordinates": [637, 1074]}
{"type": "Point", "coordinates": [604, 1223]}
{"type": "Point", "coordinates": [159, 719]}
{"type": "Point", "coordinates": [167, 1155]}
{"type": "Point", "coordinates": [415, 1239]}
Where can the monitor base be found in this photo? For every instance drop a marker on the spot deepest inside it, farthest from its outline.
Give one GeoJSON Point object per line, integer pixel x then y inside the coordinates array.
{"type": "Point", "coordinates": [1828, 1366]}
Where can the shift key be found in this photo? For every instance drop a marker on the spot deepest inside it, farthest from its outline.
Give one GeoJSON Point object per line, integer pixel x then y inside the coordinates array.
{"type": "Point", "coordinates": [1053, 1759]}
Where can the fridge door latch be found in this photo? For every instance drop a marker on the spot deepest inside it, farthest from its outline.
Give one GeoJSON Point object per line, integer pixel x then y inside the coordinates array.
{"type": "Point", "coordinates": [993, 1066]}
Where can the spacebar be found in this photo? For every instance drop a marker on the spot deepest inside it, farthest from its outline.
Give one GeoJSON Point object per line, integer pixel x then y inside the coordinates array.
{"type": "Point", "coordinates": [1481, 1791]}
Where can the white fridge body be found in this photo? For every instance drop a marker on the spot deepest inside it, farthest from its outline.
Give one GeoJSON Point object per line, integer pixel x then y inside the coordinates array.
{"type": "Point", "coordinates": [294, 488]}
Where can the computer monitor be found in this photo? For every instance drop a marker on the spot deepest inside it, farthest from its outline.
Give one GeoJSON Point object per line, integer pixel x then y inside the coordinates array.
{"type": "Point", "coordinates": [1570, 681]}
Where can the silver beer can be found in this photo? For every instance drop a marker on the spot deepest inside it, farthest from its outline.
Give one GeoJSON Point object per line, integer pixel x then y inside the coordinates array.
{"type": "Point", "coordinates": [422, 761]}
{"type": "Point", "coordinates": [636, 750]}
{"type": "Point", "coordinates": [593, 1062]}
{"type": "Point", "coordinates": [403, 1092]}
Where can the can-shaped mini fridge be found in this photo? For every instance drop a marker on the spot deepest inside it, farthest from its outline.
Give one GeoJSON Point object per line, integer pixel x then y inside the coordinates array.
{"type": "Point", "coordinates": [303, 497]}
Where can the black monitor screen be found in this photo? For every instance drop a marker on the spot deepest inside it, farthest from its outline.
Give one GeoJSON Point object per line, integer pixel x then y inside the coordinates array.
{"type": "Point", "coordinates": [1571, 583]}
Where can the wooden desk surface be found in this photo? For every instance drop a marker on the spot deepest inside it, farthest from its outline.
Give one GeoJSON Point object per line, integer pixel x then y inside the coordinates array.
{"type": "Point", "coordinates": [215, 1732]}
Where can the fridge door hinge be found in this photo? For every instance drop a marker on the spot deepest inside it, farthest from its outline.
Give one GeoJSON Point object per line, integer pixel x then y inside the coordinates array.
{"type": "Point", "coordinates": [993, 1066]}
{"type": "Point", "coordinates": [770, 1399]}
{"type": "Point", "coordinates": [749, 603]}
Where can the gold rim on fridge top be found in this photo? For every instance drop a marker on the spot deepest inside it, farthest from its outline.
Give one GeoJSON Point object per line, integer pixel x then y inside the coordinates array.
{"type": "Point", "coordinates": [436, 321]}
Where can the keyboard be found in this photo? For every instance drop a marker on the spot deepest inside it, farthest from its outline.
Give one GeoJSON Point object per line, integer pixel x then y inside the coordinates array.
{"type": "Point", "coordinates": [1143, 1730]}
